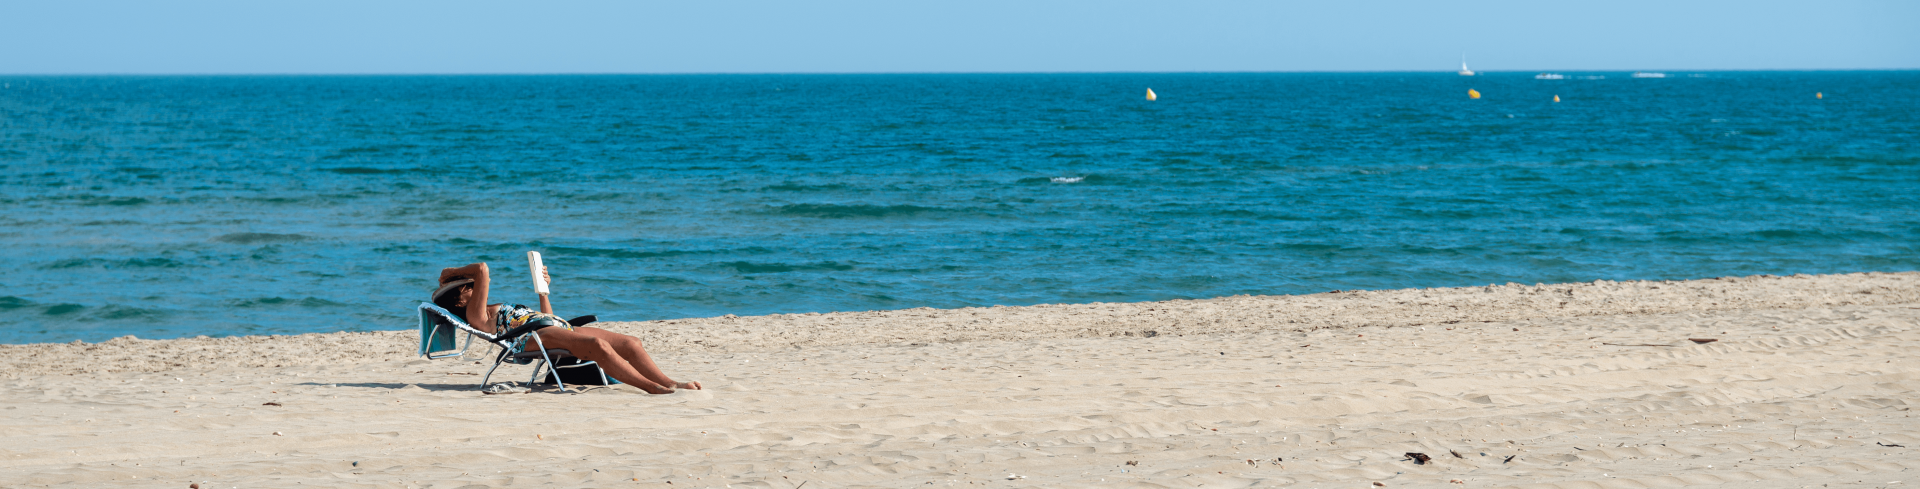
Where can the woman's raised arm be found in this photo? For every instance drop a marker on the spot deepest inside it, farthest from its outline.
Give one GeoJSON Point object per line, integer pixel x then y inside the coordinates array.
{"type": "Point", "coordinates": [477, 302]}
{"type": "Point", "coordinates": [545, 305]}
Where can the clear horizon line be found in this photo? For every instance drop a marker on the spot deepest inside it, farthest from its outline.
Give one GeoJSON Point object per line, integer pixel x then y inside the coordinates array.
{"type": "Point", "coordinates": [672, 73]}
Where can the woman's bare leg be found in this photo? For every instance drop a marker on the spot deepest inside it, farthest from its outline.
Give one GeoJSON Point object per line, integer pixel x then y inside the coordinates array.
{"type": "Point", "coordinates": [636, 355]}
{"type": "Point", "coordinates": [597, 350]}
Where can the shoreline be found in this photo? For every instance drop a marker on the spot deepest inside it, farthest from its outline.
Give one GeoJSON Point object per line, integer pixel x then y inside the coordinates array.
{"type": "Point", "coordinates": [1222, 315]}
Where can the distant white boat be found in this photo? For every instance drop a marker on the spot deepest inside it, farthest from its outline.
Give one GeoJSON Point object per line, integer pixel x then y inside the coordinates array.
{"type": "Point", "coordinates": [1549, 76]}
{"type": "Point", "coordinates": [1463, 66]}
{"type": "Point", "coordinates": [1648, 74]}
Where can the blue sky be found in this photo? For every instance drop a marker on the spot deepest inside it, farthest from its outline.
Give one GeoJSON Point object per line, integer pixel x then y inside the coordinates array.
{"type": "Point", "coordinates": [353, 36]}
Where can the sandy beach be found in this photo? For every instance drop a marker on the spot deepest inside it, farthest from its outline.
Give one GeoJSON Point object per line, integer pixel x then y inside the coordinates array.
{"type": "Point", "coordinates": [1808, 381]}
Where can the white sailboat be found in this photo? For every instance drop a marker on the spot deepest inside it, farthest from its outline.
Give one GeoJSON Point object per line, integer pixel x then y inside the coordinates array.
{"type": "Point", "coordinates": [1463, 66]}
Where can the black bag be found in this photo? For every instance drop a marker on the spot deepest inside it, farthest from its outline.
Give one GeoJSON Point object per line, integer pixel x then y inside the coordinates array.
{"type": "Point", "coordinates": [573, 372]}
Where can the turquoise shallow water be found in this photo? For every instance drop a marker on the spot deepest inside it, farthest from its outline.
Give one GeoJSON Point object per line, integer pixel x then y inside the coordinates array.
{"type": "Point", "coordinates": [179, 206]}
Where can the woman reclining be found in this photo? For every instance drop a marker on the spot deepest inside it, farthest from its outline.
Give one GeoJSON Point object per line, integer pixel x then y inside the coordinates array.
{"type": "Point", "coordinates": [463, 291]}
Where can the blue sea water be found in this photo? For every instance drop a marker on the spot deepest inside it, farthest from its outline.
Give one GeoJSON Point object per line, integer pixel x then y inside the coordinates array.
{"type": "Point", "coordinates": [226, 205]}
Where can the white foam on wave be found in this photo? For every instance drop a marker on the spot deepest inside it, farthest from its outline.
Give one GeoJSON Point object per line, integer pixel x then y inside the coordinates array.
{"type": "Point", "coordinates": [1067, 179]}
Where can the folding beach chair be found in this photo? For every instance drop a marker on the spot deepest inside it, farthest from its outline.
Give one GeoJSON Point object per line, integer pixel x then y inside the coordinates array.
{"type": "Point", "coordinates": [439, 336]}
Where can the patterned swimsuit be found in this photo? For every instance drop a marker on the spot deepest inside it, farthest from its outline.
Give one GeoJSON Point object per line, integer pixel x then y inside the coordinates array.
{"type": "Point", "coordinates": [516, 315]}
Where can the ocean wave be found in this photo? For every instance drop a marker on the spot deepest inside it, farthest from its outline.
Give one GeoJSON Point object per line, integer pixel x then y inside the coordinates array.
{"type": "Point", "coordinates": [113, 312]}
{"type": "Point", "coordinates": [793, 187]}
{"type": "Point", "coordinates": [361, 170]}
{"type": "Point", "coordinates": [258, 238]}
{"type": "Point", "coordinates": [563, 252]}
{"type": "Point", "coordinates": [570, 251]}
{"type": "Point", "coordinates": [659, 280]}
{"type": "Point", "coordinates": [92, 200]}
{"type": "Point", "coordinates": [1896, 160]}
{"type": "Point", "coordinates": [8, 303]}
{"type": "Point", "coordinates": [359, 151]}
{"type": "Point", "coordinates": [750, 267]}
{"type": "Point", "coordinates": [1438, 214]}
{"type": "Point", "coordinates": [277, 200]}
{"type": "Point", "coordinates": [110, 312]}
{"type": "Point", "coordinates": [1089, 179]}
{"type": "Point", "coordinates": [1810, 234]}
{"type": "Point", "coordinates": [601, 197]}
{"type": "Point", "coordinates": [1311, 247]}
{"type": "Point", "coordinates": [1209, 212]}
{"type": "Point", "coordinates": [62, 309]}
{"type": "Point", "coordinates": [310, 302]}
{"type": "Point", "coordinates": [839, 211]}
{"type": "Point", "coordinates": [109, 263]}
{"type": "Point", "coordinates": [916, 270]}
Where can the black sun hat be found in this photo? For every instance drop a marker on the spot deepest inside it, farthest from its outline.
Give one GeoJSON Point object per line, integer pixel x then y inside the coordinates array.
{"type": "Point", "coordinates": [448, 287]}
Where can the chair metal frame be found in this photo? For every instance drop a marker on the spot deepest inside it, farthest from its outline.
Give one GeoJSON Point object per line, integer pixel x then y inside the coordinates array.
{"type": "Point", "coordinates": [438, 318]}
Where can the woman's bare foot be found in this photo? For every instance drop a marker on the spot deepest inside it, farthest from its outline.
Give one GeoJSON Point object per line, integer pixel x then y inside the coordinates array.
{"type": "Point", "coordinates": [688, 385]}
{"type": "Point", "coordinates": [653, 388]}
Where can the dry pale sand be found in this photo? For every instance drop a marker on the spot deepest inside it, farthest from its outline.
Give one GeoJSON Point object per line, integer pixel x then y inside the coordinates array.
{"type": "Point", "coordinates": [1811, 384]}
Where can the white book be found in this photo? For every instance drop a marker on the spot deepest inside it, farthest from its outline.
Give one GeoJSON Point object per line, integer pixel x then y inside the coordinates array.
{"type": "Point", "coordinates": [533, 263]}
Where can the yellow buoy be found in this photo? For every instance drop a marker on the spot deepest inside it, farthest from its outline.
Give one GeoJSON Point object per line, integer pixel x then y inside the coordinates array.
{"type": "Point", "coordinates": [1819, 95]}
{"type": "Point", "coordinates": [1150, 96]}
{"type": "Point", "coordinates": [1556, 98]}
{"type": "Point", "coordinates": [1471, 93]}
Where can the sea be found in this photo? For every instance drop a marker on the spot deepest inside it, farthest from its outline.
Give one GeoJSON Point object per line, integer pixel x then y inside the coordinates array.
{"type": "Point", "coordinates": [180, 206]}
